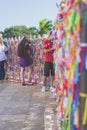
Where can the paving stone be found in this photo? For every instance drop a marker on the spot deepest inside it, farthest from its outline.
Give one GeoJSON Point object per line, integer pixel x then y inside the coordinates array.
{"type": "Point", "coordinates": [25, 108]}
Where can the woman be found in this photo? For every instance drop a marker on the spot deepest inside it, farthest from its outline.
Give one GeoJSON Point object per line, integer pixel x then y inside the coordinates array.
{"type": "Point", "coordinates": [25, 53]}
{"type": "Point", "coordinates": [3, 58]}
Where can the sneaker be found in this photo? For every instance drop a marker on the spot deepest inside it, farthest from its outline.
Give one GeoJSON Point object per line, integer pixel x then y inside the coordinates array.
{"type": "Point", "coordinates": [43, 89]}
{"type": "Point", "coordinates": [47, 88]}
{"type": "Point", "coordinates": [52, 89]}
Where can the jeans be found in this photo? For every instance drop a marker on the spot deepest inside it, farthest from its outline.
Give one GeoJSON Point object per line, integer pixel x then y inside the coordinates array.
{"type": "Point", "coordinates": [2, 71]}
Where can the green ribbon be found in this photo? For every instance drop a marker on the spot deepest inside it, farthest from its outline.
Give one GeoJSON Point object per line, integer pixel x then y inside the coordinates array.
{"type": "Point", "coordinates": [68, 111]}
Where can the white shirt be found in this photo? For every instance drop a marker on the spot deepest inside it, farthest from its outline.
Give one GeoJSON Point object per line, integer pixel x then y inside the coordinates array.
{"type": "Point", "coordinates": [3, 48]}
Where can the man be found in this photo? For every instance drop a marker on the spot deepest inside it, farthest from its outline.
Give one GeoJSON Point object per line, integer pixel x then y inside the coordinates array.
{"type": "Point", "coordinates": [48, 62]}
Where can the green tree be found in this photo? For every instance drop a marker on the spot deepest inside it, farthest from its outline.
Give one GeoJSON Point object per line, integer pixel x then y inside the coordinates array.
{"type": "Point", "coordinates": [45, 26]}
{"type": "Point", "coordinates": [33, 31]}
{"type": "Point", "coordinates": [16, 31]}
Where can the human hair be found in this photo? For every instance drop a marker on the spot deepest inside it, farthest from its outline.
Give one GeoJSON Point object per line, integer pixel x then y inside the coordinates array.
{"type": "Point", "coordinates": [23, 48]}
{"type": "Point", "coordinates": [1, 42]}
{"type": "Point", "coordinates": [1, 39]}
{"type": "Point", "coordinates": [0, 35]}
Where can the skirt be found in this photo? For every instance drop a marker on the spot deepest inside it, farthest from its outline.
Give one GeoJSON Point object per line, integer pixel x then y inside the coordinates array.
{"type": "Point", "coordinates": [25, 62]}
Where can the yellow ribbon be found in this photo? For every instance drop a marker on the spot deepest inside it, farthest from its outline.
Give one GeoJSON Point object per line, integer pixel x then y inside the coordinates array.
{"type": "Point", "coordinates": [85, 109]}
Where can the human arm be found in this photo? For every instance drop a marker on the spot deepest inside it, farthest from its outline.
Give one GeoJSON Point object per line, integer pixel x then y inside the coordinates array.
{"type": "Point", "coordinates": [5, 48]}
{"type": "Point", "coordinates": [48, 50]}
{"type": "Point", "coordinates": [48, 46]}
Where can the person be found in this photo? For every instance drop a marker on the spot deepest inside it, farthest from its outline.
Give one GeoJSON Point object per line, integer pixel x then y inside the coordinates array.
{"type": "Point", "coordinates": [3, 49]}
{"type": "Point", "coordinates": [48, 62]}
{"type": "Point", "coordinates": [25, 54]}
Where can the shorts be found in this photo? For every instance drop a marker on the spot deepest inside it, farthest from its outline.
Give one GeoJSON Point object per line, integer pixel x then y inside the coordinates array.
{"type": "Point", "coordinates": [48, 69]}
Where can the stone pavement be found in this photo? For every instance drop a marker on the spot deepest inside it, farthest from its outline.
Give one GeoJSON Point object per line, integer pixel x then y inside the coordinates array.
{"type": "Point", "coordinates": [25, 108]}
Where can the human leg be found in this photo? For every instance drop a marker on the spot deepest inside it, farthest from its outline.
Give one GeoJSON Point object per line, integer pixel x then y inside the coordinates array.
{"type": "Point", "coordinates": [44, 80]}
{"type": "Point", "coordinates": [52, 84]}
{"type": "Point", "coordinates": [22, 75]}
{"type": "Point", "coordinates": [52, 78]}
{"type": "Point", "coordinates": [46, 74]}
{"type": "Point", "coordinates": [52, 81]}
{"type": "Point", "coordinates": [29, 73]}
{"type": "Point", "coordinates": [2, 71]}
{"type": "Point", "coordinates": [44, 83]}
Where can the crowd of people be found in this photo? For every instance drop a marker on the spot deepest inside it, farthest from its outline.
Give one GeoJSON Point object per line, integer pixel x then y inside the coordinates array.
{"type": "Point", "coordinates": [27, 61]}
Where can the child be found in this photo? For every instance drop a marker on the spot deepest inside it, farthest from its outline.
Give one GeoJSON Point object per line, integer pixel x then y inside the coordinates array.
{"type": "Point", "coordinates": [48, 62]}
{"type": "Point", "coordinates": [25, 53]}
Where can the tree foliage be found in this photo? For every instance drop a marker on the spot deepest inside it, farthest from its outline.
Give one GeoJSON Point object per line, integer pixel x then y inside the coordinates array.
{"type": "Point", "coordinates": [45, 26]}
{"type": "Point", "coordinates": [16, 31]}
